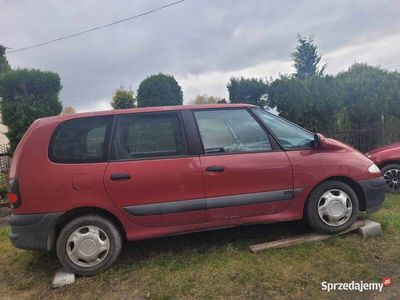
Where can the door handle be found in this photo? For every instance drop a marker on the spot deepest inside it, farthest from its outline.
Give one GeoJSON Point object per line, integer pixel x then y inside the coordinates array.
{"type": "Point", "coordinates": [215, 169]}
{"type": "Point", "coordinates": [120, 176]}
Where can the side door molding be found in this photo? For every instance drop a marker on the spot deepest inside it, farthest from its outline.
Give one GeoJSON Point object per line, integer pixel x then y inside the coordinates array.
{"type": "Point", "coordinates": [210, 203]}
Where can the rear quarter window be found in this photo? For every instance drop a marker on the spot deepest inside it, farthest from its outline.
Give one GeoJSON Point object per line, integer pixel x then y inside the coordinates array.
{"type": "Point", "coordinates": [82, 140]}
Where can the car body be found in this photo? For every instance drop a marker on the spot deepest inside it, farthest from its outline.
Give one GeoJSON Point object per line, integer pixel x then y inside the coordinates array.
{"type": "Point", "coordinates": [90, 180]}
{"type": "Point", "coordinates": [387, 158]}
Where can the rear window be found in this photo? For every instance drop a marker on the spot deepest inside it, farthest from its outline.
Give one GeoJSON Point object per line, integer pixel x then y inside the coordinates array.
{"type": "Point", "coordinates": [82, 140]}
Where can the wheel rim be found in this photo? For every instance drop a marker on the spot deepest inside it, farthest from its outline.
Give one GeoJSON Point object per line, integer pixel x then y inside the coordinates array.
{"type": "Point", "coordinates": [392, 178]}
{"type": "Point", "coordinates": [335, 207]}
{"type": "Point", "coordinates": [88, 246]}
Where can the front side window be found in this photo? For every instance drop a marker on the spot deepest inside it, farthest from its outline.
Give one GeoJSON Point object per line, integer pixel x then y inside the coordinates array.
{"type": "Point", "coordinates": [149, 135]}
{"type": "Point", "coordinates": [81, 140]}
{"type": "Point", "coordinates": [230, 131]}
{"type": "Point", "coordinates": [289, 135]}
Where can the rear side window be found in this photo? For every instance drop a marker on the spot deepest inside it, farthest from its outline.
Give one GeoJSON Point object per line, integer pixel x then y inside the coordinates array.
{"type": "Point", "coordinates": [231, 131]}
{"type": "Point", "coordinates": [149, 135]}
{"type": "Point", "coordinates": [81, 140]}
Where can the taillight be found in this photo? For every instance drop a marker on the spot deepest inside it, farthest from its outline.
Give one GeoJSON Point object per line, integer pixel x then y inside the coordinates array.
{"type": "Point", "coordinates": [14, 198]}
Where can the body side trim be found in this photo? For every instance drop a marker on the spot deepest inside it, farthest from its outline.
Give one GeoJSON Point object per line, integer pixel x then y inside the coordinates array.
{"type": "Point", "coordinates": [210, 203]}
{"type": "Point", "coordinates": [166, 207]}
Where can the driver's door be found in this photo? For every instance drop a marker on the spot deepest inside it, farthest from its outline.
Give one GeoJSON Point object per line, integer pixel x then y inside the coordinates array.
{"type": "Point", "coordinates": [243, 175]}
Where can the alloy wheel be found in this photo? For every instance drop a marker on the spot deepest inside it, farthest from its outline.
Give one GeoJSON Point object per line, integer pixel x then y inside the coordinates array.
{"type": "Point", "coordinates": [392, 177]}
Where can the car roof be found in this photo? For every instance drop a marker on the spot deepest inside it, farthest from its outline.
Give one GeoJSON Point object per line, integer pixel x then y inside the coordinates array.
{"type": "Point", "coordinates": [144, 110]}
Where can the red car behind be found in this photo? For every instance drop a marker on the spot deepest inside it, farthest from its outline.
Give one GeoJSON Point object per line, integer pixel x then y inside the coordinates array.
{"type": "Point", "coordinates": [387, 158]}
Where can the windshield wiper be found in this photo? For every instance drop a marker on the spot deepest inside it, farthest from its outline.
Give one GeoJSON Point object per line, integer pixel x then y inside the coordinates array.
{"type": "Point", "coordinates": [215, 150]}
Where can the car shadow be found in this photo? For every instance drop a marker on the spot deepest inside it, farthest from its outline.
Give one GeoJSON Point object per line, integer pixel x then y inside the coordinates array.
{"type": "Point", "coordinates": [241, 237]}
{"type": "Point", "coordinates": [140, 252]}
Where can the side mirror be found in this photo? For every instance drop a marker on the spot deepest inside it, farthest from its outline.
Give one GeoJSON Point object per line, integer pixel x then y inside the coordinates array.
{"type": "Point", "coordinates": [318, 140]}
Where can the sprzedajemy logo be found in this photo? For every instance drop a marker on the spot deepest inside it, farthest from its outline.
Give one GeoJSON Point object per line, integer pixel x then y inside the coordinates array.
{"type": "Point", "coordinates": [360, 286]}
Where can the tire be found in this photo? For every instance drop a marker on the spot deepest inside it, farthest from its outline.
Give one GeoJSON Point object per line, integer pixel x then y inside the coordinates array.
{"type": "Point", "coordinates": [328, 202]}
{"type": "Point", "coordinates": [392, 176]}
{"type": "Point", "coordinates": [81, 239]}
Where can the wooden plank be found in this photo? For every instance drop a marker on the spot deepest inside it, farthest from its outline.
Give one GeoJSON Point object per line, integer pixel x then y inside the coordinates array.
{"type": "Point", "coordinates": [356, 225]}
{"type": "Point", "coordinates": [304, 238]}
{"type": "Point", "coordinates": [286, 242]}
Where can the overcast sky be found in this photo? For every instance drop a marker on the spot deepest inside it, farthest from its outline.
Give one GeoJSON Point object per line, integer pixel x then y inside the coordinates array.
{"type": "Point", "coordinates": [201, 42]}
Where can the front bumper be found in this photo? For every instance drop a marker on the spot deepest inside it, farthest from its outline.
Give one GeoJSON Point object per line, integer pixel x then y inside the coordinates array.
{"type": "Point", "coordinates": [33, 232]}
{"type": "Point", "coordinates": [374, 193]}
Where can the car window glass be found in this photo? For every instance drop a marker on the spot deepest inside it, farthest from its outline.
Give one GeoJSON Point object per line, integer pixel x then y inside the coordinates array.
{"type": "Point", "coordinates": [94, 139]}
{"type": "Point", "coordinates": [289, 135]}
{"type": "Point", "coordinates": [149, 135]}
{"type": "Point", "coordinates": [230, 131]}
{"type": "Point", "coordinates": [81, 140]}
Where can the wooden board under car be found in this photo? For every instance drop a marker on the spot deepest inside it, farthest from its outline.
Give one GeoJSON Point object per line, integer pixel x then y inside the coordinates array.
{"type": "Point", "coordinates": [304, 238]}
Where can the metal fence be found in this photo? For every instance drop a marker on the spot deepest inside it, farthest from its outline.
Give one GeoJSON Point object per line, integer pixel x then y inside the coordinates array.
{"type": "Point", "coordinates": [367, 136]}
{"type": "Point", "coordinates": [363, 138]}
{"type": "Point", "coordinates": [5, 159]}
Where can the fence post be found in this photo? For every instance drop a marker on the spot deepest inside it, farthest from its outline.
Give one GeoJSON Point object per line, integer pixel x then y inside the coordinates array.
{"type": "Point", "coordinates": [383, 130]}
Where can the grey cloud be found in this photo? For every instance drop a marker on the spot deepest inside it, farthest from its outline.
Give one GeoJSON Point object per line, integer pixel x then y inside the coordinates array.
{"type": "Point", "coordinates": [197, 36]}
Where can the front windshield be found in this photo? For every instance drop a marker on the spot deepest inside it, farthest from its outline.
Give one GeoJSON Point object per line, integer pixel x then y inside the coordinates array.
{"type": "Point", "coordinates": [289, 135]}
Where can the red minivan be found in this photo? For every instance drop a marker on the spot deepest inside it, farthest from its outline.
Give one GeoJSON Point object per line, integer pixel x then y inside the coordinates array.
{"type": "Point", "coordinates": [84, 183]}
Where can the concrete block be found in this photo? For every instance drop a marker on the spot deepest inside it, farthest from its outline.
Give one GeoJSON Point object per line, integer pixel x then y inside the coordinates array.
{"type": "Point", "coordinates": [370, 228]}
{"type": "Point", "coordinates": [63, 277]}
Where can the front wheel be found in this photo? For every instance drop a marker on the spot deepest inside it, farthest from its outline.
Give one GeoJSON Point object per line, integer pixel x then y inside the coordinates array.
{"type": "Point", "coordinates": [331, 207]}
{"type": "Point", "coordinates": [88, 244]}
{"type": "Point", "coordinates": [392, 177]}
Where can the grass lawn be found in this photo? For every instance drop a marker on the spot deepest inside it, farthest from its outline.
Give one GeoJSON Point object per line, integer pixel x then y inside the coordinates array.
{"type": "Point", "coordinates": [218, 264]}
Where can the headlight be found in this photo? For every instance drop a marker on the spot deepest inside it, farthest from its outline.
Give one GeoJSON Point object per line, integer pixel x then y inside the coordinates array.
{"type": "Point", "coordinates": [374, 169]}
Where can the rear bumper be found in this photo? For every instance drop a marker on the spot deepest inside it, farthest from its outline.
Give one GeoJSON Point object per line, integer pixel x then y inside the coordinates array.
{"type": "Point", "coordinates": [374, 193]}
{"type": "Point", "coordinates": [33, 232]}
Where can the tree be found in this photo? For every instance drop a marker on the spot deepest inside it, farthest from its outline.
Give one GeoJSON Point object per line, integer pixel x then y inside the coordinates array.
{"type": "Point", "coordinates": [205, 99]}
{"type": "Point", "coordinates": [369, 92]}
{"type": "Point", "coordinates": [159, 90]}
{"type": "Point", "coordinates": [290, 97]}
{"type": "Point", "coordinates": [307, 59]}
{"type": "Point", "coordinates": [247, 90]}
{"type": "Point", "coordinates": [312, 103]}
{"type": "Point", "coordinates": [68, 110]}
{"type": "Point", "coordinates": [4, 66]}
{"type": "Point", "coordinates": [326, 103]}
{"type": "Point", "coordinates": [123, 99]}
{"type": "Point", "coordinates": [26, 96]}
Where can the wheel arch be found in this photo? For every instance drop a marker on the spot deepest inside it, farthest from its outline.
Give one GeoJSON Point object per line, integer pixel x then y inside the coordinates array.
{"type": "Point", "coordinates": [354, 185]}
{"type": "Point", "coordinates": [80, 211]}
{"type": "Point", "coordinates": [388, 162]}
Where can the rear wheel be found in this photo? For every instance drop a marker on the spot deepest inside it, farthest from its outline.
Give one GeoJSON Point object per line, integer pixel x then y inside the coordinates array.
{"type": "Point", "coordinates": [331, 207]}
{"type": "Point", "coordinates": [392, 176]}
{"type": "Point", "coordinates": [88, 244]}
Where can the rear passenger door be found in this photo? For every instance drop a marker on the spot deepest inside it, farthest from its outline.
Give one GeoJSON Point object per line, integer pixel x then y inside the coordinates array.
{"type": "Point", "coordinates": [244, 175]}
{"type": "Point", "coordinates": [152, 176]}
